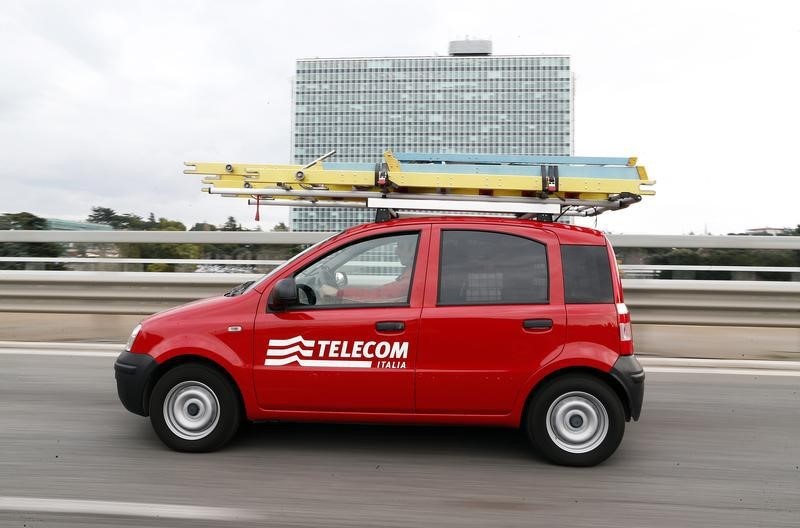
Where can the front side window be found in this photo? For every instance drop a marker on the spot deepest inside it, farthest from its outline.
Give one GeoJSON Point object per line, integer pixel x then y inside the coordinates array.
{"type": "Point", "coordinates": [481, 267]}
{"type": "Point", "coordinates": [377, 271]}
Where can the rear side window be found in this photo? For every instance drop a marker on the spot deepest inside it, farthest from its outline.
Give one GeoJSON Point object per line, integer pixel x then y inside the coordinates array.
{"type": "Point", "coordinates": [587, 275]}
{"type": "Point", "coordinates": [481, 267]}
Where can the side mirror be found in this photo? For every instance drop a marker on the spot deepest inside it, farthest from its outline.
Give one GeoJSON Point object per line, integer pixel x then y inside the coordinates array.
{"type": "Point", "coordinates": [283, 294]}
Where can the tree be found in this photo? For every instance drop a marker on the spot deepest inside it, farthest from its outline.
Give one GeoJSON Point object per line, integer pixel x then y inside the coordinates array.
{"type": "Point", "coordinates": [231, 225]}
{"type": "Point", "coordinates": [203, 226]}
{"type": "Point", "coordinates": [106, 215]}
{"type": "Point", "coordinates": [27, 221]}
{"type": "Point", "coordinates": [22, 221]}
{"type": "Point", "coordinates": [129, 221]}
{"type": "Point", "coordinates": [164, 224]}
{"type": "Point", "coordinates": [280, 251]}
{"type": "Point", "coordinates": [102, 215]}
{"type": "Point", "coordinates": [726, 257]}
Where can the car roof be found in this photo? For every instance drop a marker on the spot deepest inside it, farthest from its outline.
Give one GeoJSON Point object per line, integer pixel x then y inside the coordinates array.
{"type": "Point", "coordinates": [567, 234]}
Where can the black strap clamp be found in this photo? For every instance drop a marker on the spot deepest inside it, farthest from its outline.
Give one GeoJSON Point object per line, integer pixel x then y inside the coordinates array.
{"type": "Point", "coordinates": [549, 179]}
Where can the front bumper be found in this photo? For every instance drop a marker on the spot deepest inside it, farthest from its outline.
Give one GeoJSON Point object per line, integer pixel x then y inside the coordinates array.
{"type": "Point", "coordinates": [630, 374]}
{"type": "Point", "coordinates": [133, 373]}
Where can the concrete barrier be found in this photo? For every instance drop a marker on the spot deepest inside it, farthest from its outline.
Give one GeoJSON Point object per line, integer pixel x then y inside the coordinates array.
{"type": "Point", "coordinates": [713, 319]}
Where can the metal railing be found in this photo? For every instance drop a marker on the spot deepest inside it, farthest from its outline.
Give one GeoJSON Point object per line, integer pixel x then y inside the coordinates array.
{"type": "Point", "coordinates": [676, 302]}
{"type": "Point", "coordinates": [296, 237]}
{"type": "Point", "coordinates": [693, 302]}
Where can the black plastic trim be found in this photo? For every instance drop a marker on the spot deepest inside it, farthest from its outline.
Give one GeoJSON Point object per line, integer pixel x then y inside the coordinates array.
{"type": "Point", "coordinates": [538, 324]}
{"type": "Point", "coordinates": [390, 326]}
{"type": "Point", "coordinates": [133, 373]}
{"type": "Point", "coordinates": [630, 374]}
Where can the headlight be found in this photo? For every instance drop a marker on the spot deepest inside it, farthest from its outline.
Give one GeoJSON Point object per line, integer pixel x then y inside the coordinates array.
{"type": "Point", "coordinates": [132, 338]}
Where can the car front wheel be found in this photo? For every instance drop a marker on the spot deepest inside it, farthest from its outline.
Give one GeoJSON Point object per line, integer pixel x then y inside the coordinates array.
{"type": "Point", "coordinates": [194, 408]}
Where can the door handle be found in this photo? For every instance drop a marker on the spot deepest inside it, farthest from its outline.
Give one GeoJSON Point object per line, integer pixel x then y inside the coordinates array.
{"type": "Point", "coordinates": [390, 326]}
{"type": "Point", "coordinates": [537, 324]}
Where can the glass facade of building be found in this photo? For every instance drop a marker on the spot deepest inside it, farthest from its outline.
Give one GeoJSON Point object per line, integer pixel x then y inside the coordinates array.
{"type": "Point", "coordinates": [327, 218]}
{"type": "Point", "coordinates": [451, 104]}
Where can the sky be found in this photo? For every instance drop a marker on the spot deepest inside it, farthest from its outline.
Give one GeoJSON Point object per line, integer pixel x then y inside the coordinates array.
{"type": "Point", "coordinates": [101, 101]}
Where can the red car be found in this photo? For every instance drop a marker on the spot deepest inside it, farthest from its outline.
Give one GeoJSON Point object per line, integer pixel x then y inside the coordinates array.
{"type": "Point", "coordinates": [449, 320]}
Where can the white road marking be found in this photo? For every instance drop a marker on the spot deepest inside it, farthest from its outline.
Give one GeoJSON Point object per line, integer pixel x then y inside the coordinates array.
{"type": "Point", "coordinates": [62, 345]}
{"type": "Point", "coordinates": [66, 353]}
{"type": "Point", "coordinates": [652, 361]}
{"type": "Point", "coordinates": [729, 371]}
{"type": "Point", "coordinates": [126, 509]}
{"type": "Point", "coordinates": [735, 367]}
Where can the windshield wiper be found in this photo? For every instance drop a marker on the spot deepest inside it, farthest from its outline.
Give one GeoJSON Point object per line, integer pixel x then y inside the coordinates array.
{"type": "Point", "coordinates": [240, 289]}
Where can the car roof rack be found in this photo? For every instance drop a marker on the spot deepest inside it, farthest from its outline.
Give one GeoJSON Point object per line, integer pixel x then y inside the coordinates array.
{"type": "Point", "coordinates": [541, 187]}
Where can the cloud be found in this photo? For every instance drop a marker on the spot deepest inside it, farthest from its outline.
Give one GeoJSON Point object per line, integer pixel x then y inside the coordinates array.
{"type": "Point", "coordinates": [102, 101]}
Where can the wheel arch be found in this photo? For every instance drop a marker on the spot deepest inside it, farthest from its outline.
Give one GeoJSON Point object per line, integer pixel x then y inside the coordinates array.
{"type": "Point", "coordinates": [185, 359]}
{"type": "Point", "coordinates": [600, 375]}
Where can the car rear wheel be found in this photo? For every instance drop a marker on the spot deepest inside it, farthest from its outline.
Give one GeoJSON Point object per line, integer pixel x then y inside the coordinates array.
{"type": "Point", "coordinates": [194, 408]}
{"type": "Point", "coordinates": [576, 420]}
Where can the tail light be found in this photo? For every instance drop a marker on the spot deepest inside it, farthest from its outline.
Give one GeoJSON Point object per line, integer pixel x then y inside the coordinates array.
{"type": "Point", "coordinates": [625, 331]}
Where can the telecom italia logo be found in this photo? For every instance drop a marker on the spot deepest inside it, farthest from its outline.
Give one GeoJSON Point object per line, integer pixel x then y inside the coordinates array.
{"type": "Point", "coordinates": [349, 354]}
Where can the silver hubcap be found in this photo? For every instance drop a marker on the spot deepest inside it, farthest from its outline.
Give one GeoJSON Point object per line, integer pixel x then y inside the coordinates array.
{"type": "Point", "coordinates": [191, 410]}
{"type": "Point", "coordinates": [577, 422]}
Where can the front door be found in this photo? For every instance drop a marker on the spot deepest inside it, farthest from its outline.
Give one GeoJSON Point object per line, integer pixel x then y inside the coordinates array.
{"type": "Point", "coordinates": [350, 345]}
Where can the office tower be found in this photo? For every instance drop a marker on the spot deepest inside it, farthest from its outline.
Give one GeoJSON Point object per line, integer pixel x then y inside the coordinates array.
{"type": "Point", "coordinates": [468, 101]}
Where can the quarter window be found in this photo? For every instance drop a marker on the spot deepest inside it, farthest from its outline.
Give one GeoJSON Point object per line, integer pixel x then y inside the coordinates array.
{"type": "Point", "coordinates": [587, 275]}
{"type": "Point", "coordinates": [482, 267]}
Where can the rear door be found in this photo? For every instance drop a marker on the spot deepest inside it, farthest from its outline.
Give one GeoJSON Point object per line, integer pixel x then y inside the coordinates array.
{"type": "Point", "coordinates": [493, 314]}
{"type": "Point", "coordinates": [589, 295]}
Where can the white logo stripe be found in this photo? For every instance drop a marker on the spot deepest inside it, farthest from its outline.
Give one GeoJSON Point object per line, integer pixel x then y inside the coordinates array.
{"type": "Point", "coordinates": [317, 363]}
{"type": "Point", "coordinates": [287, 351]}
{"type": "Point", "coordinates": [292, 341]}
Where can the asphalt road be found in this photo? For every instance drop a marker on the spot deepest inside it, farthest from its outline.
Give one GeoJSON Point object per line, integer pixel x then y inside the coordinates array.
{"type": "Point", "coordinates": [710, 450]}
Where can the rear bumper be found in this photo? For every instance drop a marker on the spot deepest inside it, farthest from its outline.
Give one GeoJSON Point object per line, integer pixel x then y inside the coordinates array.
{"type": "Point", "coordinates": [133, 373]}
{"type": "Point", "coordinates": [630, 374]}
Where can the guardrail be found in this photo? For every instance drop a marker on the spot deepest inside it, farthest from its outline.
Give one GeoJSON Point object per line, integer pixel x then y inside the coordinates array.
{"type": "Point", "coordinates": [693, 302]}
{"type": "Point", "coordinates": [135, 293]}
{"type": "Point", "coordinates": [251, 262]}
{"type": "Point", "coordinates": [297, 237]}
{"type": "Point", "coordinates": [675, 302]}
{"type": "Point", "coordinates": [165, 237]}
{"type": "Point", "coordinates": [728, 319]}
{"type": "Point", "coordinates": [714, 303]}
{"type": "Point", "coordinates": [294, 238]}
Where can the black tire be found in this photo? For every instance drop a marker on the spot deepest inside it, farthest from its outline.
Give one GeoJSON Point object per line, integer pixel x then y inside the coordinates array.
{"type": "Point", "coordinates": [576, 420]}
{"type": "Point", "coordinates": [188, 389]}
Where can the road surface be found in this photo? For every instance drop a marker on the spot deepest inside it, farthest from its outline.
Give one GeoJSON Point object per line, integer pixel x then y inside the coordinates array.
{"type": "Point", "coordinates": [712, 449]}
